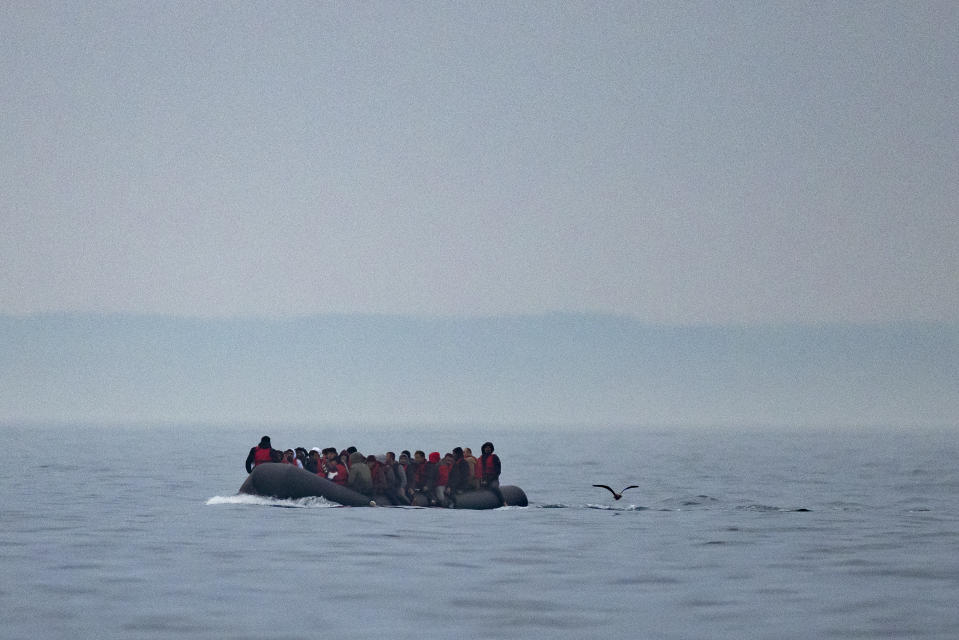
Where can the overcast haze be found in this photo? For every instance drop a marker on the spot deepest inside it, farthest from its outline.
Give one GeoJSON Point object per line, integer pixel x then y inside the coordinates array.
{"type": "Point", "coordinates": [372, 212]}
{"type": "Point", "coordinates": [675, 162]}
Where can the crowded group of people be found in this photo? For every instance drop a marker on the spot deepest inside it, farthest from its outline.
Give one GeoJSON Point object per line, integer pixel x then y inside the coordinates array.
{"type": "Point", "coordinates": [402, 479]}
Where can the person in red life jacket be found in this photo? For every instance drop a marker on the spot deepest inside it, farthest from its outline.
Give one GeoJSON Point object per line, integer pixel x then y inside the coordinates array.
{"type": "Point", "coordinates": [488, 467]}
{"type": "Point", "coordinates": [259, 454]}
{"type": "Point", "coordinates": [335, 471]}
{"type": "Point", "coordinates": [377, 474]}
{"type": "Point", "coordinates": [289, 457]}
{"type": "Point", "coordinates": [442, 478]}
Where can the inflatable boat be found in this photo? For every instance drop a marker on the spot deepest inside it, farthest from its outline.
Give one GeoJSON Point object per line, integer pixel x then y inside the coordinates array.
{"type": "Point", "coordinates": [284, 481]}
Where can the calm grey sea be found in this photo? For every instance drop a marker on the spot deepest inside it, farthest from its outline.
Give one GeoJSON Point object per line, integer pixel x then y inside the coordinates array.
{"type": "Point", "coordinates": [138, 533]}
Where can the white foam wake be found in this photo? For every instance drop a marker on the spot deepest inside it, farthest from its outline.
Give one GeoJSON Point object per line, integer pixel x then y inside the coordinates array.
{"type": "Point", "coordinates": [300, 503]}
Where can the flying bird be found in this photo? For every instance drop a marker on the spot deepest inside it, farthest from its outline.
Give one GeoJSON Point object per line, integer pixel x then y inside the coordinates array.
{"type": "Point", "coordinates": [616, 495]}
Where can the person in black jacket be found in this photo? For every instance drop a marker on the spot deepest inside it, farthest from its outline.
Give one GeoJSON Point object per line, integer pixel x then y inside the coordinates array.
{"type": "Point", "coordinates": [259, 454]}
{"type": "Point", "coordinates": [459, 478]}
{"type": "Point", "coordinates": [488, 467]}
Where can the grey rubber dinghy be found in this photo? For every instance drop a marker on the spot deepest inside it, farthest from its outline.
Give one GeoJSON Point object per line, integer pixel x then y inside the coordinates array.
{"type": "Point", "coordinates": [287, 482]}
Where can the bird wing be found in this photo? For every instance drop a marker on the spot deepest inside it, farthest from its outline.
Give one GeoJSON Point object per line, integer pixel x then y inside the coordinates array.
{"type": "Point", "coordinates": [632, 486]}
{"type": "Point", "coordinates": [603, 486]}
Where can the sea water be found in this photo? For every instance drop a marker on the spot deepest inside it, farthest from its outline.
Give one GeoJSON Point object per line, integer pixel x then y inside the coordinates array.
{"type": "Point", "coordinates": [114, 532]}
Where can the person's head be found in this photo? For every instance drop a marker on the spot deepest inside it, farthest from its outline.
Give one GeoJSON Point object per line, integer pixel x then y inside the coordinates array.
{"type": "Point", "coordinates": [419, 456]}
{"type": "Point", "coordinates": [404, 458]}
{"type": "Point", "coordinates": [448, 458]}
{"type": "Point", "coordinates": [406, 453]}
{"type": "Point", "coordinates": [390, 457]}
{"type": "Point", "coordinates": [265, 442]}
{"type": "Point", "coordinates": [371, 459]}
{"type": "Point", "coordinates": [315, 453]}
{"type": "Point", "coordinates": [351, 450]}
{"type": "Point", "coordinates": [457, 453]}
{"type": "Point", "coordinates": [300, 452]}
{"type": "Point", "coordinates": [487, 448]}
{"type": "Point", "coordinates": [289, 455]}
{"type": "Point", "coordinates": [434, 456]}
{"type": "Point", "coordinates": [467, 452]}
{"type": "Point", "coordinates": [330, 453]}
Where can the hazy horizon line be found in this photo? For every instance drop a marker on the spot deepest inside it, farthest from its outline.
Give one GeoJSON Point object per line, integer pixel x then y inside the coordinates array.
{"type": "Point", "coordinates": [9, 422]}
{"type": "Point", "coordinates": [442, 317]}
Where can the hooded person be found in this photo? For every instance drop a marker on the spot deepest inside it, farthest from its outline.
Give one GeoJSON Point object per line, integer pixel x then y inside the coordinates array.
{"type": "Point", "coordinates": [259, 454]}
{"type": "Point", "coordinates": [360, 478]}
{"type": "Point", "coordinates": [488, 467]}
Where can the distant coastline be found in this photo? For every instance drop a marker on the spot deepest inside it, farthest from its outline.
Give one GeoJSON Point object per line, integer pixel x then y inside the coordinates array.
{"type": "Point", "coordinates": [557, 368]}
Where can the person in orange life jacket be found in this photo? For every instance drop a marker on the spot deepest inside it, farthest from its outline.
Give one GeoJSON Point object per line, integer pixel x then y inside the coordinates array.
{"type": "Point", "coordinates": [488, 467]}
{"type": "Point", "coordinates": [259, 454]}
{"type": "Point", "coordinates": [334, 470]}
{"type": "Point", "coordinates": [471, 461]}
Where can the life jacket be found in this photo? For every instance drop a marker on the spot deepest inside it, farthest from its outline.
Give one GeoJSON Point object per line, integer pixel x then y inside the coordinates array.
{"type": "Point", "coordinates": [420, 476]}
{"type": "Point", "coordinates": [443, 474]}
{"type": "Point", "coordinates": [342, 474]}
{"type": "Point", "coordinates": [376, 475]}
{"type": "Point", "coordinates": [485, 466]}
{"type": "Point", "coordinates": [262, 455]}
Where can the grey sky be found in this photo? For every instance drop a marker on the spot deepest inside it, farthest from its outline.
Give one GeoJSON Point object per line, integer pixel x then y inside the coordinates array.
{"type": "Point", "coordinates": [677, 162]}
